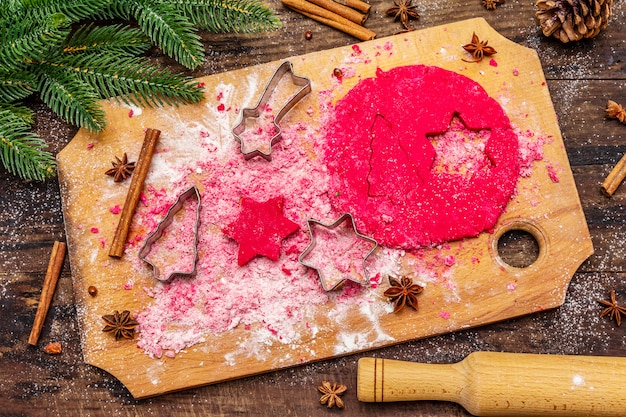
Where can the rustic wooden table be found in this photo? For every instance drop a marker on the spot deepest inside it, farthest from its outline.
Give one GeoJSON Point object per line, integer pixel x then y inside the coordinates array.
{"type": "Point", "coordinates": [581, 78]}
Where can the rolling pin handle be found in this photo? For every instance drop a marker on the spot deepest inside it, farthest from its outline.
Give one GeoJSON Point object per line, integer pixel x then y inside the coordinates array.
{"type": "Point", "coordinates": [385, 380]}
{"type": "Point", "coordinates": [503, 384]}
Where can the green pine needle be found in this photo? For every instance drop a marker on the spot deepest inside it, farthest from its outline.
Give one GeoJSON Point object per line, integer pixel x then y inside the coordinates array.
{"type": "Point", "coordinates": [22, 152]}
{"type": "Point", "coordinates": [221, 16]}
{"type": "Point", "coordinates": [16, 85]}
{"type": "Point", "coordinates": [132, 80]}
{"type": "Point", "coordinates": [21, 112]}
{"type": "Point", "coordinates": [104, 39]}
{"type": "Point", "coordinates": [75, 10]}
{"type": "Point", "coordinates": [166, 27]}
{"type": "Point", "coordinates": [71, 98]}
{"type": "Point", "coordinates": [25, 41]}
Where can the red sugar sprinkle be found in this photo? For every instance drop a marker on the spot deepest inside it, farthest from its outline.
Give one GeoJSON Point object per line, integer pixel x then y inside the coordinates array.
{"type": "Point", "coordinates": [94, 230]}
{"type": "Point", "coordinates": [554, 176]}
{"type": "Point", "coordinates": [116, 209]}
{"type": "Point", "coordinates": [130, 113]}
{"type": "Point", "coordinates": [89, 145]}
{"type": "Point", "coordinates": [493, 62]}
{"type": "Point", "coordinates": [292, 249]}
{"type": "Point", "coordinates": [221, 107]}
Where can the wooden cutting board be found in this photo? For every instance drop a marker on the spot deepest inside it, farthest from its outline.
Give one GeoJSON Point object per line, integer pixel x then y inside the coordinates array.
{"type": "Point", "coordinates": [479, 288]}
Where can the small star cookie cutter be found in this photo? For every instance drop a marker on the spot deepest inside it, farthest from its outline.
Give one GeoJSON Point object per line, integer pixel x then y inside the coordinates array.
{"type": "Point", "coordinates": [344, 217]}
{"type": "Point", "coordinates": [255, 112]}
{"type": "Point", "coordinates": [191, 192]}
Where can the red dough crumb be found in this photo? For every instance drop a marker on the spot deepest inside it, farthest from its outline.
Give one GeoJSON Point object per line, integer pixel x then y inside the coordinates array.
{"type": "Point", "coordinates": [260, 229]}
{"type": "Point", "coordinates": [386, 145]}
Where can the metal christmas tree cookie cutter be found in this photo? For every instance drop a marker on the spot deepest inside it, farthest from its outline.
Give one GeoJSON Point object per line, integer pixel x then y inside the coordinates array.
{"type": "Point", "coordinates": [344, 217]}
{"type": "Point", "coordinates": [191, 192]}
{"type": "Point", "coordinates": [255, 112]}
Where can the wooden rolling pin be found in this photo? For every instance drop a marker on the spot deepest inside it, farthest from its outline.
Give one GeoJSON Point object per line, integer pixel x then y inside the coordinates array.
{"type": "Point", "coordinates": [503, 384]}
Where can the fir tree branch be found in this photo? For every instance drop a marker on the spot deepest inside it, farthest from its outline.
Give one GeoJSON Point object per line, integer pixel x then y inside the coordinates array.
{"type": "Point", "coordinates": [21, 112]}
{"type": "Point", "coordinates": [22, 152]}
{"type": "Point", "coordinates": [28, 40]}
{"type": "Point", "coordinates": [71, 74]}
{"type": "Point", "coordinates": [105, 39]}
{"type": "Point", "coordinates": [166, 27]}
{"type": "Point", "coordinates": [135, 80]}
{"type": "Point", "coordinates": [16, 85]}
{"type": "Point", "coordinates": [70, 97]}
{"type": "Point", "coordinates": [221, 16]}
{"type": "Point", "coordinates": [75, 10]}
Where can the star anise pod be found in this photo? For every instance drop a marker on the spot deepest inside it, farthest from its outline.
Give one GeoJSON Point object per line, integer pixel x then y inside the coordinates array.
{"type": "Point", "coordinates": [615, 111]}
{"type": "Point", "coordinates": [122, 169]}
{"type": "Point", "coordinates": [613, 310]}
{"type": "Point", "coordinates": [492, 4]}
{"type": "Point", "coordinates": [120, 324]}
{"type": "Point", "coordinates": [331, 394]}
{"type": "Point", "coordinates": [478, 49]}
{"type": "Point", "coordinates": [403, 10]}
{"type": "Point", "coordinates": [403, 292]}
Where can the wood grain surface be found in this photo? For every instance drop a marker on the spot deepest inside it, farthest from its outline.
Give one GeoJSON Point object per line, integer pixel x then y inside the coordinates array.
{"type": "Point", "coordinates": [581, 77]}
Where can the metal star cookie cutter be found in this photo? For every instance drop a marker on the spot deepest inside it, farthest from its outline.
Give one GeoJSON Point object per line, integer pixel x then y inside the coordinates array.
{"type": "Point", "coordinates": [313, 243]}
{"type": "Point", "coordinates": [255, 112]}
{"type": "Point", "coordinates": [191, 192]}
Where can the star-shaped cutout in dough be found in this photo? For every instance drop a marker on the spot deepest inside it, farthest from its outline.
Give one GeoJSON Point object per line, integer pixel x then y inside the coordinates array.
{"type": "Point", "coordinates": [260, 229]}
{"type": "Point", "coordinates": [460, 150]}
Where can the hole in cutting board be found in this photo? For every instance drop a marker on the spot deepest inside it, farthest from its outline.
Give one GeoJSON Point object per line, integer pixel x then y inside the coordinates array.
{"type": "Point", "coordinates": [518, 248]}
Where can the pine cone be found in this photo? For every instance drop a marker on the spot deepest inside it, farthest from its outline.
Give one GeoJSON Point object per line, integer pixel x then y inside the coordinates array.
{"type": "Point", "coordinates": [572, 20]}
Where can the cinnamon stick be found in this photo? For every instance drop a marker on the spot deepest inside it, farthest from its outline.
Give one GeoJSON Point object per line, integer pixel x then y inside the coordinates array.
{"type": "Point", "coordinates": [615, 178]}
{"type": "Point", "coordinates": [356, 5]}
{"type": "Point", "coordinates": [343, 11]}
{"type": "Point", "coordinates": [49, 285]}
{"type": "Point", "coordinates": [134, 192]}
{"type": "Point", "coordinates": [330, 19]}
